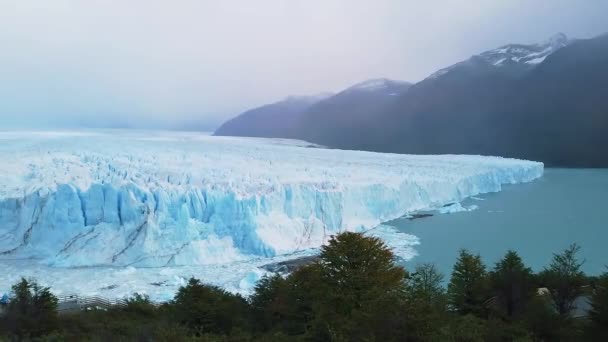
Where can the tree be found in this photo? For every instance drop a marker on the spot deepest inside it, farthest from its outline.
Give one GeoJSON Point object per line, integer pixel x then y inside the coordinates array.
{"type": "Point", "coordinates": [360, 268]}
{"type": "Point", "coordinates": [466, 328]}
{"type": "Point", "coordinates": [140, 304]}
{"type": "Point", "coordinates": [564, 279]}
{"type": "Point", "coordinates": [512, 284]}
{"type": "Point", "coordinates": [468, 285]}
{"type": "Point", "coordinates": [426, 303]}
{"type": "Point", "coordinates": [360, 290]}
{"type": "Point", "coordinates": [545, 324]}
{"type": "Point", "coordinates": [209, 309]}
{"type": "Point", "coordinates": [426, 284]}
{"type": "Point", "coordinates": [281, 304]}
{"type": "Point", "coordinates": [266, 302]}
{"type": "Point", "coordinates": [32, 310]}
{"type": "Point", "coordinates": [598, 316]}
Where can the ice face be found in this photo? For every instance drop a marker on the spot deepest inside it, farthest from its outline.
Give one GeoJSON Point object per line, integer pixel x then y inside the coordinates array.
{"type": "Point", "coordinates": [161, 283]}
{"type": "Point", "coordinates": [167, 199]}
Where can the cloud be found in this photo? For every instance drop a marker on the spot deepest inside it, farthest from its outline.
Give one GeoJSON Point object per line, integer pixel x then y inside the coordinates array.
{"type": "Point", "coordinates": [166, 63]}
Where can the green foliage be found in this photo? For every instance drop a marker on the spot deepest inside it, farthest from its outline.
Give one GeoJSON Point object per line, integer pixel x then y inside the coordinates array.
{"type": "Point", "coordinates": [467, 290]}
{"type": "Point", "coordinates": [426, 284]}
{"type": "Point", "coordinates": [269, 302]}
{"type": "Point", "coordinates": [426, 302]}
{"type": "Point", "coordinates": [32, 310]}
{"type": "Point", "coordinates": [598, 316]}
{"type": "Point", "coordinates": [209, 309]}
{"type": "Point", "coordinates": [545, 323]}
{"type": "Point", "coordinates": [354, 292]}
{"type": "Point", "coordinates": [284, 304]}
{"type": "Point", "coordinates": [360, 268]}
{"type": "Point", "coordinates": [141, 305]}
{"type": "Point", "coordinates": [564, 279]}
{"type": "Point", "coordinates": [359, 291]}
{"type": "Point", "coordinates": [467, 328]}
{"type": "Point", "coordinates": [512, 284]}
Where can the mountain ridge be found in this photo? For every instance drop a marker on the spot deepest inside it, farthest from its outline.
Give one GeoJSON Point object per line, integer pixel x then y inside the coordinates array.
{"type": "Point", "coordinates": [539, 101]}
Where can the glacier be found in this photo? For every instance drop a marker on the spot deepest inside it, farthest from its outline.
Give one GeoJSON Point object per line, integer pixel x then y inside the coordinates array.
{"type": "Point", "coordinates": [150, 199]}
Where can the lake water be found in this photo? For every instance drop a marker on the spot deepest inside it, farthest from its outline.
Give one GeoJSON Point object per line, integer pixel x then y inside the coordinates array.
{"type": "Point", "coordinates": [536, 220]}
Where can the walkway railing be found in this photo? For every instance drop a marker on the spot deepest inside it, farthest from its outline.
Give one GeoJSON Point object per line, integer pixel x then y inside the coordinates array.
{"type": "Point", "coordinates": [71, 303]}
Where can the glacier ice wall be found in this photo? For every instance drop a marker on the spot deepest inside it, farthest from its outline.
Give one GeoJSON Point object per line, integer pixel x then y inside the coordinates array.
{"type": "Point", "coordinates": [164, 199]}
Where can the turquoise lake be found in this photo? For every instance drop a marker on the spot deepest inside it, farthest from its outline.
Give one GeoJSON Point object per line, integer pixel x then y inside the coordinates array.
{"type": "Point", "coordinates": [537, 219]}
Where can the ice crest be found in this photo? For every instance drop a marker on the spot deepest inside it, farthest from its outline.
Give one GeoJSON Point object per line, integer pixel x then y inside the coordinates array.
{"type": "Point", "coordinates": [135, 198]}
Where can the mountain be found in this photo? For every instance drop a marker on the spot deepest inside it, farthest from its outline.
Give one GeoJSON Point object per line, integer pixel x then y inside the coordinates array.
{"type": "Point", "coordinates": [351, 111]}
{"type": "Point", "coordinates": [273, 120]}
{"type": "Point", "coordinates": [543, 102]}
{"type": "Point", "coordinates": [511, 60]}
{"type": "Point", "coordinates": [297, 116]}
{"type": "Point", "coordinates": [555, 112]}
{"type": "Point", "coordinates": [559, 112]}
{"type": "Point", "coordinates": [448, 112]}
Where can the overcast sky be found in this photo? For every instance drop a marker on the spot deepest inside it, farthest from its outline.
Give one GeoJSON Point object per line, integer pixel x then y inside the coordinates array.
{"type": "Point", "coordinates": [152, 63]}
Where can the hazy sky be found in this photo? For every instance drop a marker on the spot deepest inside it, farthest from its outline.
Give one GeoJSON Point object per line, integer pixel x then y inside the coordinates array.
{"type": "Point", "coordinates": [150, 63]}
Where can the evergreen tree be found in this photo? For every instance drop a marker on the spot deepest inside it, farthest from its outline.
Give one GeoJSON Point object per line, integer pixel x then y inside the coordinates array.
{"type": "Point", "coordinates": [564, 279]}
{"type": "Point", "coordinates": [280, 304]}
{"type": "Point", "coordinates": [360, 267]}
{"type": "Point", "coordinates": [545, 323]}
{"type": "Point", "coordinates": [32, 310]}
{"type": "Point", "coordinates": [361, 291]}
{"type": "Point", "coordinates": [426, 303]}
{"type": "Point", "coordinates": [512, 284]}
{"type": "Point", "coordinates": [426, 284]}
{"type": "Point", "coordinates": [209, 309]}
{"type": "Point", "coordinates": [598, 316]}
{"type": "Point", "coordinates": [140, 304]}
{"type": "Point", "coordinates": [466, 328]}
{"type": "Point", "coordinates": [467, 290]}
{"type": "Point", "coordinates": [268, 302]}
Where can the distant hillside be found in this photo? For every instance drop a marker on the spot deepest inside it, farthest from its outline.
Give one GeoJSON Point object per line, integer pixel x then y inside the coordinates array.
{"type": "Point", "coordinates": [350, 112]}
{"type": "Point", "coordinates": [272, 120]}
{"type": "Point", "coordinates": [545, 102]}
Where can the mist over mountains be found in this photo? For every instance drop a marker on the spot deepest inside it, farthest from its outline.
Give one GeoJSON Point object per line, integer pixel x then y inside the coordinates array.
{"type": "Point", "coordinates": [544, 101]}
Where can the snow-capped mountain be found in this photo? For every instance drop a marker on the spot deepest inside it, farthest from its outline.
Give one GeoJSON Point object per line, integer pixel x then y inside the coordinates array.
{"type": "Point", "coordinates": [287, 118]}
{"type": "Point", "coordinates": [515, 58]}
{"type": "Point", "coordinates": [543, 101]}
{"type": "Point", "coordinates": [380, 85]}
{"type": "Point", "coordinates": [308, 98]}
{"type": "Point", "coordinates": [351, 111]}
{"type": "Point", "coordinates": [525, 54]}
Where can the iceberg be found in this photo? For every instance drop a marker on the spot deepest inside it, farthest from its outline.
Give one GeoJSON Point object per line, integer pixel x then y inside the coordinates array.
{"type": "Point", "coordinates": [152, 199]}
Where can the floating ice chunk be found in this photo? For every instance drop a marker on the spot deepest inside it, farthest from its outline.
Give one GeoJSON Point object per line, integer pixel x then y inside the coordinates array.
{"type": "Point", "coordinates": [456, 208]}
{"type": "Point", "coordinates": [251, 278]}
{"type": "Point", "coordinates": [402, 244]}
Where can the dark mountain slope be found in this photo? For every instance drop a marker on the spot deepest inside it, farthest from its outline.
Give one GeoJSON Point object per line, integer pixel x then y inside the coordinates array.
{"type": "Point", "coordinates": [456, 103]}
{"type": "Point", "coordinates": [546, 102]}
{"type": "Point", "coordinates": [271, 121]}
{"type": "Point", "coordinates": [448, 114]}
{"type": "Point", "coordinates": [351, 112]}
{"type": "Point", "coordinates": [557, 112]}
